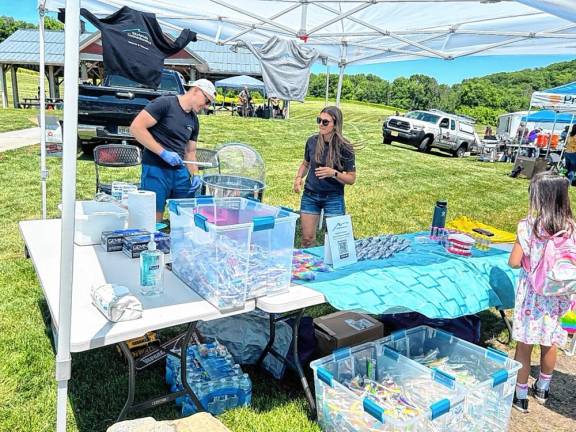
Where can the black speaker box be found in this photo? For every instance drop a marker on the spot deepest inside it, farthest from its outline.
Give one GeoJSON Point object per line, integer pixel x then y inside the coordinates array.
{"type": "Point", "coordinates": [529, 166]}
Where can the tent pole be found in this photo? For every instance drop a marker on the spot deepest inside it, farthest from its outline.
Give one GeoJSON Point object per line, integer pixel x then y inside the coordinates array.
{"type": "Point", "coordinates": [327, 83]}
{"type": "Point", "coordinates": [42, 95]}
{"type": "Point", "coordinates": [552, 133]}
{"type": "Point", "coordinates": [340, 78]}
{"type": "Point", "coordinates": [71, 65]}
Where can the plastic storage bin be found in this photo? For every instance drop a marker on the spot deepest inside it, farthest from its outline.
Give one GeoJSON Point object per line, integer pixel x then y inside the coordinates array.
{"type": "Point", "coordinates": [372, 388]}
{"type": "Point", "coordinates": [231, 249]}
{"type": "Point", "coordinates": [216, 380]}
{"type": "Point", "coordinates": [488, 376]}
{"type": "Point", "coordinates": [93, 217]}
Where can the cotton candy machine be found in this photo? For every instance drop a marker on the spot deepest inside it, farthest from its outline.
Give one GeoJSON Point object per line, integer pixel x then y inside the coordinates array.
{"type": "Point", "coordinates": [240, 173]}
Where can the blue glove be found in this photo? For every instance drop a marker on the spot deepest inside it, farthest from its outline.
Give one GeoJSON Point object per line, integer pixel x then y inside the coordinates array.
{"type": "Point", "coordinates": [171, 158]}
{"type": "Point", "coordinates": [195, 183]}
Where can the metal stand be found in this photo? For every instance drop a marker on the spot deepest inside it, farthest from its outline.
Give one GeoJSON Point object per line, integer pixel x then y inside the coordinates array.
{"type": "Point", "coordinates": [508, 325]}
{"type": "Point", "coordinates": [160, 400]}
{"type": "Point", "coordinates": [295, 362]}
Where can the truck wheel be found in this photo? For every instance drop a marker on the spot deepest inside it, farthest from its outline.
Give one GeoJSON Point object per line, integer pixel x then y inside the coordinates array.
{"type": "Point", "coordinates": [460, 152]}
{"type": "Point", "coordinates": [425, 145]}
{"type": "Point", "coordinates": [387, 140]}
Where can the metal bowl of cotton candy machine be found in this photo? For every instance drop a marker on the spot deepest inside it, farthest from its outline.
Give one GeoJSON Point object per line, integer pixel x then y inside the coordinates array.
{"type": "Point", "coordinates": [241, 173]}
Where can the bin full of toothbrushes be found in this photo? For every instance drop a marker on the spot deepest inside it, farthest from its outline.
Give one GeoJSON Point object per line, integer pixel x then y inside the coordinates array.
{"type": "Point", "coordinates": [218, 382]}
{"type": "Point", "coordinates": [232, 249]}
{"type": "Point", "coordinates": [372, 388]}
{"type": "Point", "coordinates": [487, 376]}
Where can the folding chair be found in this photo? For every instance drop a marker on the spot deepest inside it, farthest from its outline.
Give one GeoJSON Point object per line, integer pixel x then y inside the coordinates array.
{"type": "Point", "coordinates": [556, 163]}
{"type": "Point", "coordinates": [115, 156]}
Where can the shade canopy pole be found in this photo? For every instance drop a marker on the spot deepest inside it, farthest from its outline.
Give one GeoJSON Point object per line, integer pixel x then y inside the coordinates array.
{"type": "Point", "coordinates": [42, 96]}
{"type": "Point", "coordinates": [71, 65]}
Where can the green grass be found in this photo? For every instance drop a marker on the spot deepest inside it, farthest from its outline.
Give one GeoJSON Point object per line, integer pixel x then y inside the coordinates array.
{"type": "Point", "coordinates": [14, 119]}
{"type": "Point", "coordinates": [395, 193]}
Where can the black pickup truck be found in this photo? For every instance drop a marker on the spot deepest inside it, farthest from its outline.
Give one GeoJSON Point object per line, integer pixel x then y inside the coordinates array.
{"type": "Point", "coordinates": [106, 111]}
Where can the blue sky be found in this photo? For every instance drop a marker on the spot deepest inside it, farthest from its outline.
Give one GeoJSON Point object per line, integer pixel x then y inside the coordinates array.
{"type": "Point", "coordinates": [445, 72]}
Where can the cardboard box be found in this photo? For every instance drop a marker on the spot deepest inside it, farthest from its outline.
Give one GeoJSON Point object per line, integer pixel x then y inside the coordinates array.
{"type": "Point", "coordinates": [345, 328]}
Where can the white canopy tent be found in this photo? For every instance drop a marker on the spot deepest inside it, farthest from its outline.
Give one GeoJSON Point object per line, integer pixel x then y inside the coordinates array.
{"type": "Point", "coordinates": [344, 32]}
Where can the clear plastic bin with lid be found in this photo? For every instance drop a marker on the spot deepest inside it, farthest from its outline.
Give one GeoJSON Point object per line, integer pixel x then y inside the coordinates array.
{"type": "Point", "coordinates": [372, 388]}
{"type": "Point", "coordinates": [232, 249]}
{"type": "Point", "coordinates": [488, 376]}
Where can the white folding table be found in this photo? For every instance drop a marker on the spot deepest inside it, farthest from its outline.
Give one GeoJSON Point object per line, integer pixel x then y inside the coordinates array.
{"type": "Point", "coordinates": [281, 307]}
{"type": "Point", "coordinates": [89, 328]}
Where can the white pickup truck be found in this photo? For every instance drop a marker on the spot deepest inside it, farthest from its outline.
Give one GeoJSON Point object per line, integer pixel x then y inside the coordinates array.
{"type": "Point", "coordinates": [432, 129]}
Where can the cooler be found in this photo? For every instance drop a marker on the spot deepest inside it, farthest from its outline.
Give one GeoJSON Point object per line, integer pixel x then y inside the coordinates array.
{"type": "Point", "coordinates": [488, 376]}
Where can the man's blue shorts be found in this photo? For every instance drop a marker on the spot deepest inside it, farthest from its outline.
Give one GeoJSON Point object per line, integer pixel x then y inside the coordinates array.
{"type": "Point", "coordinates": [331, 203]}
{"type": "Point", "coordinates": [167, 183]}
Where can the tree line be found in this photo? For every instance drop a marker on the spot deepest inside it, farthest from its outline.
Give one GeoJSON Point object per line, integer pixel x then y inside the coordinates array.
{"type": "Point", "coordinates": [9, 25]}
{"type": "Point", "coordinates": [483, 98]}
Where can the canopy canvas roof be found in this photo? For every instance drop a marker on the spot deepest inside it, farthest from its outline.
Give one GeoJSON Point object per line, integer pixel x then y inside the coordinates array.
{"type": "Point", "coordinates": [241, 81]}
{"type": "Point", "coordinates": [562, 98]}
{"type": "Point", "coordinates": [548, 116]}
{"type": "Point", "coordinates": [373, 31]}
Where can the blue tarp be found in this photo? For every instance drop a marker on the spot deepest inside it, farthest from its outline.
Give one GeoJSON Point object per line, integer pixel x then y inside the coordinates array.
{"type": "Point", "coordinates": [240, 81]}
{"type": "Point", "coordinates": [424, 279]}
{"type": "Point", "coordinates": [548, 116]}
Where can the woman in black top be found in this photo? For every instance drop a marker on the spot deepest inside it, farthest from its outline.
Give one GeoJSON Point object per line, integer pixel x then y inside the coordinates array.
{"type": "Point", "coordinates": [328, 165]}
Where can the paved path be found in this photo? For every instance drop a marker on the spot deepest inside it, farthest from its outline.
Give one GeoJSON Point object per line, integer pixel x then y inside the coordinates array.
{"type": "Point", "coordinates": [19, 138]}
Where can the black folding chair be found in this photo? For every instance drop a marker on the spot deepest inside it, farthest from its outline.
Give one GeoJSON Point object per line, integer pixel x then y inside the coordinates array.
{"type": "Point", "coordinates": [556, 163]}
{"type": "Point", "coordinates": [115, 156]}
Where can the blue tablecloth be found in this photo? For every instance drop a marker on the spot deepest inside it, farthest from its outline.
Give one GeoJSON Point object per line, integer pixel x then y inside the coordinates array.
{"type": "Point", "coordinates": [424, 279]}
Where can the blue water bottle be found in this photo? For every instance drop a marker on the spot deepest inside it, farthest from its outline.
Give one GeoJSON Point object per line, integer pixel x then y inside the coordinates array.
{"type": "Point", "coordinates": [439, 218]}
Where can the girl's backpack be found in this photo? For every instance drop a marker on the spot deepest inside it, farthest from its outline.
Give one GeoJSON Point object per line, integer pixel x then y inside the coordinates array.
{"type": "Point", "coordinates": [555, 273]}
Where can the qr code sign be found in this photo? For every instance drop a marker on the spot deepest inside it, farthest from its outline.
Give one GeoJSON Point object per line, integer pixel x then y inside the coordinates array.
{"type": "Point", "coordinates": [343, 249]}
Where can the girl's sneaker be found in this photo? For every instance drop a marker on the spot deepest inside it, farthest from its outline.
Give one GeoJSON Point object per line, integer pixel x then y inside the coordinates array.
{"type": "Point", "coordinates": [520, 404]}
{"type": "Point", "coordinates": [541, 396]}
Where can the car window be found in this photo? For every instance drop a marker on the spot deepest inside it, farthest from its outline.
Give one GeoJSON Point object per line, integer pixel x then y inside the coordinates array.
{"type": "Point", "coordinates": [444, 123]}
{"type": "Point", "coordinates": [169, 83]}
{"type": "Point", "coordinates": [423, 116]}
{"type": "Point", "coordinates": [466, 128]}
{"type": "Point", "coordinates": [453, 124]}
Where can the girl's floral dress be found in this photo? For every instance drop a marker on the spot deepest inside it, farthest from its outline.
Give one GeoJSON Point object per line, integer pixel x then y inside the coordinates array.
{"type": "Point", "coordinates": [536, 317]}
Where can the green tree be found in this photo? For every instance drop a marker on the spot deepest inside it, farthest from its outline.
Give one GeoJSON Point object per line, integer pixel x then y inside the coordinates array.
{"type": "Point", "coordinates": [9, 25]}
{"type": "Point", "coordinates": [52, 24]}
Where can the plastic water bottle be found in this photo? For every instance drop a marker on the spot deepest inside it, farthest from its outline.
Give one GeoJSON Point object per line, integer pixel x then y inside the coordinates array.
{"type": "Point", "coordinates": [246, 387]}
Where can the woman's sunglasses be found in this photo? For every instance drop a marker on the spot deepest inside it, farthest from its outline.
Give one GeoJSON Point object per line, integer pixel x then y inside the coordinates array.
{"type": "Point", "coordinates": [325, 122]}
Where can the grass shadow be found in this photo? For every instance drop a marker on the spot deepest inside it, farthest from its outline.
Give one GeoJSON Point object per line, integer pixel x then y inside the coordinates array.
{"type": "Point", "coordinates": [562, 397]}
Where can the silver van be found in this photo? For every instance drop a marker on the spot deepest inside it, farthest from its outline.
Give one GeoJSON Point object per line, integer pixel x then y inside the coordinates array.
{"type": "Point", "coordinates": [433, 129]}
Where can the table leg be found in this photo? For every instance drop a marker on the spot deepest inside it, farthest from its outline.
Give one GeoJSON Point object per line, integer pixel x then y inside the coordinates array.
{"type": "Point", "coordinates": [184, 370]}
{"type": "Point", "coordinates": [508, 325]}
{"type": "Point", "coordinates": [131, 381]}
{"type": "Point", "coordinates": [150, 403]}
{"type": "Point", "coordinates": [295, 363]}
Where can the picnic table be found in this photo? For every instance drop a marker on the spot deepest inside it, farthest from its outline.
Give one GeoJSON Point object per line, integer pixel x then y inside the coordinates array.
{"type": "Point", "coordinates": [51, 103]}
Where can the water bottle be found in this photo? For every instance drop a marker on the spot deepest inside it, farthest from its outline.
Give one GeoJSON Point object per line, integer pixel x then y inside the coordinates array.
{"type": "Point", "coordinates": [439, 217]}
{"type": "Point", "coordinates": [246, 387]}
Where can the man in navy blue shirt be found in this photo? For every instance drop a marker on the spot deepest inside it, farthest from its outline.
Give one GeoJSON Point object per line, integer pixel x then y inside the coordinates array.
{"type": "Point", "coordinates": [168, 129]}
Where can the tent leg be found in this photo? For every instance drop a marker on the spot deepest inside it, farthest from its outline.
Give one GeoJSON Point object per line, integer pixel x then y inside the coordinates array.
{"type": "Point", "coordinates": [340, 79]}
{"type": "Point", "coordinates": [61, 405]}
{"type": "Point", "coordinates": [327, 83]}
{"type": "Point", "coordinates": [42, 96]}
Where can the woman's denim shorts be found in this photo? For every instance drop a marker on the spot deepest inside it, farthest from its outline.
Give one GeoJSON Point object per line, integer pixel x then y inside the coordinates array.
{"type": "Point", "coordinates": [332, 203]}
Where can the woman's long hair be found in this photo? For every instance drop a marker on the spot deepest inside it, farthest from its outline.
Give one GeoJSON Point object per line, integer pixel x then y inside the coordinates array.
{"type": "Point", "coordinates": [339, 148]}
{"type": "Point", "coordinates": [550, 205]}
{"type": "Point", "coordinates": [573, 131]}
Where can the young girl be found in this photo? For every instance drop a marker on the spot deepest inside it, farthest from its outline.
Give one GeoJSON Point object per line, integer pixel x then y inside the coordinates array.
{"type": "Point", "coordinates": [537, 317]}
{"type": "Point", "coordinates": [328, 165]}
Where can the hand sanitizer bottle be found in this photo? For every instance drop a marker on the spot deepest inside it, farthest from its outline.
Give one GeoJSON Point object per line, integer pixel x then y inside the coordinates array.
{"type": "Point", "coordinates": [151, 270]}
